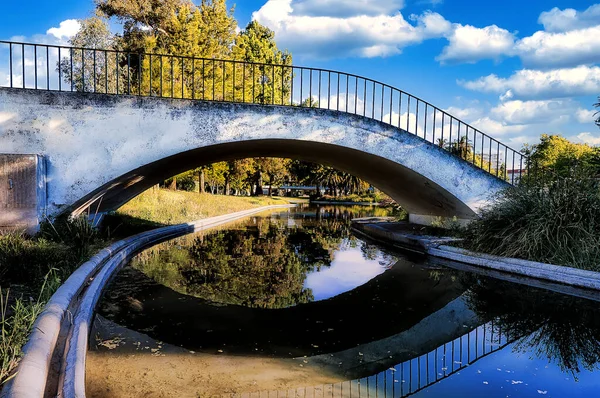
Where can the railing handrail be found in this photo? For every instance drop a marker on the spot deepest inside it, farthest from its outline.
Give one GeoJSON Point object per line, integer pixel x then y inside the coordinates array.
{"type": "Point", "coordinates": [493, 142]}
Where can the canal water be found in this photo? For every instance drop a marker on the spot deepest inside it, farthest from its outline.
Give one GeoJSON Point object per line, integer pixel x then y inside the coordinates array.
{"type": "Point", "coordinates": [292, 304]}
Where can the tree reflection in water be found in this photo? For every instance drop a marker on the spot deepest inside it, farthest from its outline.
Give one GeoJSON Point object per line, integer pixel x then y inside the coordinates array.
{"type": "Point", "coordinates": [561, 328]}
{"type": "Point", "coordinates": [263, 264]}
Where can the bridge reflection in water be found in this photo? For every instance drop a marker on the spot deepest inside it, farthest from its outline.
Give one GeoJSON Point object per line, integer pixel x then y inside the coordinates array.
{"type": "Point", "coordinates": [409, 377]}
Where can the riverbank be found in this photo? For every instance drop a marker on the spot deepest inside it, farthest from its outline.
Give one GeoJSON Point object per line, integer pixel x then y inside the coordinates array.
{"type": "Point", "coordinates": [68, 314]}
{"type": "Point", "coordinates": [428, 241]}
{"type": "Point", "coordinates": [32, 268]}
{"type": "Point", "coordinates": [169, 207]}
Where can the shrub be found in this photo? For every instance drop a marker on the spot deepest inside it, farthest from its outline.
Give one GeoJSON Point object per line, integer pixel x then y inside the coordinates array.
{"type": "Point", "coordinates": [27, 261]}
{"type": "Point", "coordinates": [554, 220]}
{"type": "Point", "coordinates": [78, 233]}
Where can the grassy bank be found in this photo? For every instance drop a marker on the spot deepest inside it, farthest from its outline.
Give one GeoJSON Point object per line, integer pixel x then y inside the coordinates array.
{"type": "Point", "coordinates": [31, 269]}
{"type": "Point", "coordinates": [174, 207]}
{"type": "Point", "coordinates": [375, 198]}
{"type": "Point", "coordinates": [553, 221]}
{"type": "Point", "coordinates": [17, 315]}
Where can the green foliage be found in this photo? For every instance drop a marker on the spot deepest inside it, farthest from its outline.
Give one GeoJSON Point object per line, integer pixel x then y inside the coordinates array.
{"type": "Point", "coordinates": [36, 267]}
{"type": "Point", "coordinates": [553, 221]}
{"type": "Point", "coordinates": [180, 28]}
{"type": "Point", "coordinates": [77, 233]}
{"type": "Point", "coordinates": [266, 84]}
{"type": "Point", "coordinates": [276, 170]}
{"type": "Point", "coordinates": [260, 264]}
{"type": "Point", "coordinates": [310, 103]}
{"type": "Point", "coordinates": [184, 181]}
{"type": "Point", "coordinates": [253, 267]}
{"type": "Point", "coordinates": [17, 316]}
{"type": "Point", "coordinates": [26, 261]}
{"type": "Point", "coordinates": [261, 271]}
{"type": "Point", "coordinates": [463, 148]}
{"type": "Point", "coordinates": [215, 176]}
{"type": "Point", "coordinates": [554, 327]}
{"type": "Point", "coordinates": [94, 71]}
{"type": "Point", "coordinates": [557, 155]}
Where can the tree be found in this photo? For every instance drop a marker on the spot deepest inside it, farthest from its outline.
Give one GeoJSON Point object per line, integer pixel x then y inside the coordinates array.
{"type": "Point", "coordinates": [215, 176]}
{"type": "Point", "coordinates": [559, 155]}
{"type": "Point", "coordinates": [597, 105]}
{"type": "Point", "coordinates": [462, 148]}
{"type": "Point", "coordinates": [310, 103]}
{"type": "Point", "coordinates": [264, 83]}
{"type": "Point", "coordinates": [175, 27]}
{"type": "Point", "coordinates": [93, 71]}
{"type": "Point", "coordinates": [276, 169]}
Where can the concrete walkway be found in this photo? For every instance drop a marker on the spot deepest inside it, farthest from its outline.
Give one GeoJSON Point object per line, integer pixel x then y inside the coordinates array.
{"type": "Point", "coordinates": [416, 238]}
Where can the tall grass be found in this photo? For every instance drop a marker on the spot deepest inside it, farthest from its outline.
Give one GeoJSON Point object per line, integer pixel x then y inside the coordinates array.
{"type": "Point", "coordinates": [35, 267]}
{"type": "Point", "coordinates": [59, 246]}
{"type": "Point", "coordinates": [554, 221]}
{"type": "Point", "coordinates": [16, 321]}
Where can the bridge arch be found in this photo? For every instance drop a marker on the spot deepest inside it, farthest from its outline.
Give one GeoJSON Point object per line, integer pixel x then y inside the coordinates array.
{"type": "Point", "coordinates": [104, 150]}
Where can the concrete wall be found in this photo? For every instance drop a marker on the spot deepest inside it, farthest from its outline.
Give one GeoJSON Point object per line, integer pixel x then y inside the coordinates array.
{"type": "Point", "coordinates": [104, 150]}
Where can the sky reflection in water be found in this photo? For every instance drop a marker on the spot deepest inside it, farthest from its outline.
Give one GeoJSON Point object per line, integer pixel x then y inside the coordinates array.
{"type": "Point", "coordinates": [348, 270]}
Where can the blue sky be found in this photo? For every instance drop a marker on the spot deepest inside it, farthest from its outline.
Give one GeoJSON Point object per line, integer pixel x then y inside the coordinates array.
{"type": "Point", "coordinates": [514, 69]}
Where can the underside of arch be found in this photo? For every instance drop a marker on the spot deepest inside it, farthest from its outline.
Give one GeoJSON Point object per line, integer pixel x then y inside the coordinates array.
{"type": "Point", "coordinates": [414, 192]}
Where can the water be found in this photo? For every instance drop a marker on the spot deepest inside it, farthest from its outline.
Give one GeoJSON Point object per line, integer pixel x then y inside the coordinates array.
{"type": "Point", "coordinates": [292, 304]}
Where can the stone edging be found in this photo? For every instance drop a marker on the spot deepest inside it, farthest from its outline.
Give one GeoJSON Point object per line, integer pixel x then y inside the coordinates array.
{"type": "Point", "coordinates": [84, 288]}
{"type": "Point", "coordinates": [438, 247]}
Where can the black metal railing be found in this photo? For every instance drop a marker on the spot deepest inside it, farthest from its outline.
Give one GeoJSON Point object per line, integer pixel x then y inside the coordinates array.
{"type": "Point", "coordinates": [409, 377]}
{"type": "Point", "coordinates": [60, 68]}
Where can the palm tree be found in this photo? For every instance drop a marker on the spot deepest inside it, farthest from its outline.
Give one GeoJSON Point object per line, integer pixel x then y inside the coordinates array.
{"type": "Point", "coordinates": [597, 105]}
{"type": "Point", "coordinates": [462, 148]}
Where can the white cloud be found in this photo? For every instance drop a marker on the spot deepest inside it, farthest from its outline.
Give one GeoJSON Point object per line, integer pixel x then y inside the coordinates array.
{"type": "Point", "coordinates": [373, 35]}
{"type": "Point", "coordinates": [376, 28]}
{"type": "Point", "coordinates": [544, 50]}
{"type": "Point", "coordinates": [557, 20]}
{"type": "Point", "coordinates": [346, 8]}
{"type": "Point", "coordinates": [355, 105]}
{"type": "Point", "coordinates": [469, 44]}
{"type": "Point", "coordinates": [507, 96]}
{"type": "Point", "coordinates": [568, 82]}
{"type": "Point", "coordinates": [532, 112]}
{"type": "Point", "coordinates": [432, 24]}
{"type": "Point", "coordinates": [585, 116]}
{"type": "Point", "coordinates": [570, 39]}
{"type": "Point", "coordinates": [519, 122]}
{"type": "Point", "coordinates": [466, 114]}
{"type": "Point", "coordinates": [66, 29]}
{"type": "Point", "coordinates": [497, 128]}
{"type": "Point", "coordinates": [589, 138]}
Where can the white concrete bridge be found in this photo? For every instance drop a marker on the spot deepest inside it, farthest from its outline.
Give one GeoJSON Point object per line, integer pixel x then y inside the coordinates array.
{"type": "Point", "coordinates": [103, 140]}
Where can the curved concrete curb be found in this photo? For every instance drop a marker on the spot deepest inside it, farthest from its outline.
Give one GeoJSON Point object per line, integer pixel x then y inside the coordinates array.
{"type": "Point", "coordinates": [555, 273]}
{"type": "Point", "coordinates": [86, 285]}
{"type": "Point", "coordinates": [437, 247]}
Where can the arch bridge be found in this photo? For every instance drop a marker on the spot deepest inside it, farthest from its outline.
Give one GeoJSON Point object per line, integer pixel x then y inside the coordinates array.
{"type": "Point", "coordinates": [107, 125]}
